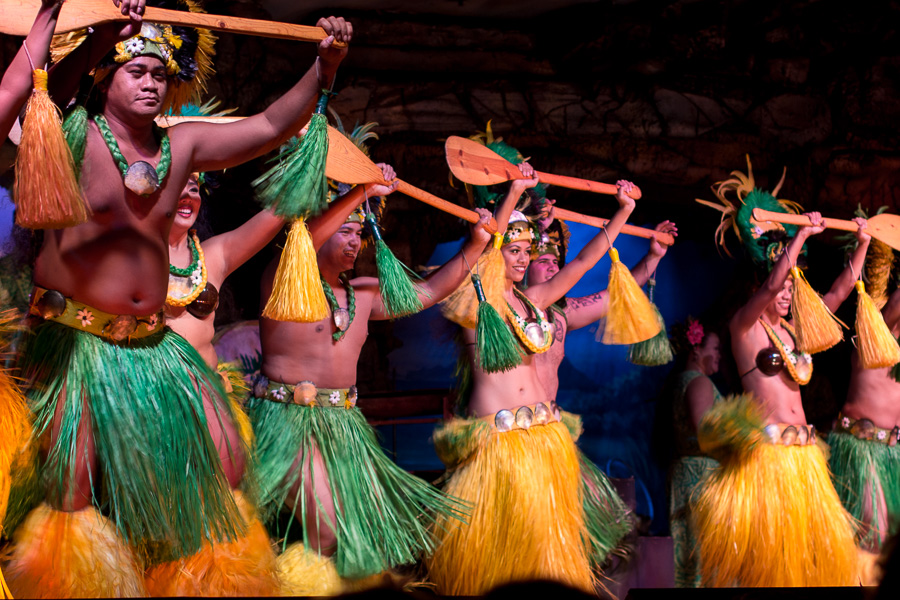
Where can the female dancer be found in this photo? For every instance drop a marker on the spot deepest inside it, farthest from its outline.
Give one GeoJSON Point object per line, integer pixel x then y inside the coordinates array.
{"type": "Point", "coordinates": [514, 458]}
{"type": "Point", "coordinates": [695, 394]}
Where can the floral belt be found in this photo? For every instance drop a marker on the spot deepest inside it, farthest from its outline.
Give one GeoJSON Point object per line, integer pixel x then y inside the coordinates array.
{"type": "Point", "coordinates": [53, 306]}
{"type": "Point", "coordinates": [304, 393]}
{"type": "Point", "coordinates": [524, 417]}
{"type": "Point", "coordinates": [785, 434]}
{"type": "Point", "coordinates": [864, 429]}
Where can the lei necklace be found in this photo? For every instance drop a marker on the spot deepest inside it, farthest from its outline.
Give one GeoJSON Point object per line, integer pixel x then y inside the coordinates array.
{"type": "Point", "coordinates": [799, 364]}
{"type": "Point", "coordinates": [343, 317]}
{"type": "Point", "coordinates": [537, 336]}
{"type": "Point", "coordinates": [196, 271]}
{"type": "Point", "coordinates": [140, 177]}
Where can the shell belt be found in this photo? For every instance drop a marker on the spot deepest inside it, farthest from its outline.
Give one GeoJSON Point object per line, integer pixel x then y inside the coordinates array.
{"type": "Point", "coordinates": [786, 434]}
{"type": "Point", "coordinates": [524, 417]}
{"type": "Point", "coordinates": [865, 429]}
{"type": "Point", "coordinates": [53, 306]}
{"type": "Point", "coordinates": [304, 393]}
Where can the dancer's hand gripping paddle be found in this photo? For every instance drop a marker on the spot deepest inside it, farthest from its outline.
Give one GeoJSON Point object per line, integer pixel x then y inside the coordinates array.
{"type": "Point", "coordinates": [476, 164]}
{"type": "Point", "coordinates": [884, 227]}
{"type": "Point", "coordinates": [17, 16]}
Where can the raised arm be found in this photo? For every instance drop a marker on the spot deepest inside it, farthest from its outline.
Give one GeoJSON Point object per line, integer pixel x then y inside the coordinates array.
{"type": "Point", "coordinates": [516, 188]}
{"type": "Point", "coordinates": [17, 81]}
{"type": "Point", "coordinates": [585, 310]}
{"type": "Point", "coordinates": [221, 145]}
{"type": "Point", "coordinates": [442, 282]}
{"type": "Point", "coordinates": [325, 225]}
{"type": "Point", "coordinates": [843, 285]}
{"type": "Point", "coordinates": [545, 294]}
{"type": "Point", "coordinates": [746, 317]}
{"type": "Point", "coordinates": [234, 248]}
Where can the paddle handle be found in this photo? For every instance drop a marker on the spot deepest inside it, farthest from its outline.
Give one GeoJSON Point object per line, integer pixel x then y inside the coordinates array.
{"type": "Point", "coordinates": [448, 207]}
{"type": "Point", "coordinates": [802, 220]}
{"type": "Point", "coordinates": [16, 17]}
{"type": "Point", "coordinates": [574, 217]}
{"type": "Point", "coordinates": [574, 183]}
{"type": "Point", "coordinates": [272, 29]}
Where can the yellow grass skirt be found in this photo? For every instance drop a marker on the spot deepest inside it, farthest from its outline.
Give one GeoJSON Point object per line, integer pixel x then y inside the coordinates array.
{"type": "Point", "coordinates": [528, 521]}
{"type": "Point", "coordinates": [770, 517]}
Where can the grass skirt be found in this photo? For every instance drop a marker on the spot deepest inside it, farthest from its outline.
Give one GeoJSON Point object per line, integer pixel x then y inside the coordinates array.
{"type": "Point", "coordinates": [769, 516]}
{"type": "Point", "coordinates": [687, 473]}
{"type": "Point", "coordinates": [162, 482]}
{"type": "Point", "coordinates": [541, 509]}
{"type": "Point", "coordinates": [864, 471]}
{"type": "Point", "coordinates": [383, 512]}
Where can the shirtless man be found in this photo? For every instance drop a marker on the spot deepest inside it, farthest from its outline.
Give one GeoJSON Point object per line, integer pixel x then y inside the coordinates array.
{"type": "Point", "coordinates": [101, 365]}
{"type": "Point", "coordinates": [581, 312]}
{"type": "Point", "coordinates": [767, 513]}
{"type": "Point", "coordinates": [865, 460]}
{"type": "Point", "coordinates": [318, 456]}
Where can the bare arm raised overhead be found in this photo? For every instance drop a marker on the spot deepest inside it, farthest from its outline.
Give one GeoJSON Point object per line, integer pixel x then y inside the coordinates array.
{"type": "Point", "coordinates": [843, 285]}
{"type": "Point", "coordinates": [745, 318]}
{"type": "Point", "coordinates": [545, 294]}
{"type": "Point", "coordinates": [582, 311]}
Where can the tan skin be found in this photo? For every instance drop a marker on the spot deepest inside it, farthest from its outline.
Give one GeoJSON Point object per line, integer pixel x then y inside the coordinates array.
{"type": "Point", "coordinates": [700, 393]}
{"type": "Point", "coordinates": [779, 395]}
{"type": "Point", "coordinates": [581, 312]}
{"type": "Point", "coordinates": [521, 385]}
{"type": "Point", "coordinates": [874, 395]}
{"type": "Point", "coordinates": [331, 364]}
{"type": "Point", "coordinates": [118, 261]}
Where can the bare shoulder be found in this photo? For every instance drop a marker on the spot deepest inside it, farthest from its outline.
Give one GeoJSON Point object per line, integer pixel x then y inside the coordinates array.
{"type": "Point", "coordinates": [365, 285]}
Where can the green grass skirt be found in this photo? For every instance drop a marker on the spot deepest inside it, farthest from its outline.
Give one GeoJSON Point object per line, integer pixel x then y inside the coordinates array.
{"type": "Point", "coordinates": [857, 464]}
{"type": "Point", "coordinates": [383, 512]}
{"type": "Point", "coordinates": [686, 475]}
{"type": "Point", "coordinates": [161, 477]}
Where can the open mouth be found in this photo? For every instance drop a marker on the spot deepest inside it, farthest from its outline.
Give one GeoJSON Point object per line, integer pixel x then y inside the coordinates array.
{"type": "Point", "coordinates": [185, 212]}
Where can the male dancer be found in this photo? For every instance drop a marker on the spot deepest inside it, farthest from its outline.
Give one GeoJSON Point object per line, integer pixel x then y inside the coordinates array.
{"type": "Point", "coordinates": [318, 456]}
{"type": "Point", "coordinates": [865, 455]}
{"type": "Point", "coordinates": [103, 386]}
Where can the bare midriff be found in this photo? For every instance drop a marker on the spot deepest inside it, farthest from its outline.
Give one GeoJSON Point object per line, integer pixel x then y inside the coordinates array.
{"type": "Point", "coordinates": [873, 395]}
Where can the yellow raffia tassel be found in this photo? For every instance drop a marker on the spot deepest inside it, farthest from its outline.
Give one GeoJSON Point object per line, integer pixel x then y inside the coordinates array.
{"type": "Point", "coordinates": [500, 542]}
{"type": "Point", "coordinates": [771, 518]}
{"type": "Point", "coordinates": [631, 318]}
{"type": "Point", "coordinates": [71, 555]}
{"type": "Point", "coordinates": [817, 327]}
{"type": "Point", "coordinates": [46, 190]}
{"type": "Point", "coordinates": [243, 567]}
{"type": "Point", "coordinates": [297, 293]}
{"type": "Point", "coordinates": [877, 346]}
{"type": "Point", "coordinates": [461, 306]}
{"type": "Point", "coordinates": [305, 573]}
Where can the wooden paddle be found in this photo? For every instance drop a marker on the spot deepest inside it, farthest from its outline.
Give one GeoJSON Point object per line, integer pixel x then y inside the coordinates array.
{"type": "Point", "coordinates": [574, 217]}
{"type": "Point", "coordinates": [884, 227]}
{"type": "Point", "coordinates": [348, 164]}
{"type": "Point", "coordinates": [476, 164]}
{"type": "Point", "coordinates": [17, 16]}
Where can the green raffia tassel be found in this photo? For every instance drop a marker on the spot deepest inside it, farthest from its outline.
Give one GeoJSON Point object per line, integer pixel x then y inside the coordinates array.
{"type": "Point", "coordinates": [296, 187]}
{"type": "Point", "coordinates": [399, 292]}
{"type": "Point", "coordinates": [75, 129]}
{"type": "Point", "coordinates": [658, 349]}
{"type": "Point", "coordinates": [498, 350]}
{"type": "Point", "coordinates": [655, 351]}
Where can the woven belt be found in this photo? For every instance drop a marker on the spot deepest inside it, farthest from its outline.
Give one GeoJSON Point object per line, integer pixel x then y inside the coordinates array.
{"type": "Point", "coordinates": [53, 306]}
{"type": "Point", "coordinates": [304, 393]}
{"type": "Point", "coordinates": [785, 434]}
{"type": "Point", "coordinates": [864, 429]}
{"type": "Point", "coordinates": [524, 416]}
